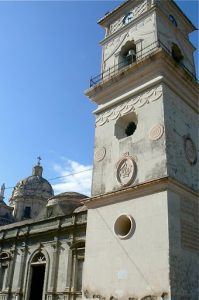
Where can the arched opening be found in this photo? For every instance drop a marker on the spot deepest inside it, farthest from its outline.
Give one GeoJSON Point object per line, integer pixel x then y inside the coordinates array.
{"type": "Point", "coordinates": [126, 126]}
{"type": "Point", "coordinates": [176, 53]}
{"type": "Point", "coordinates": [173, 20]}
{"type": "Point", "coordinates": [38, 268]}
{"type": "Point", "coordinates": [127, 55]}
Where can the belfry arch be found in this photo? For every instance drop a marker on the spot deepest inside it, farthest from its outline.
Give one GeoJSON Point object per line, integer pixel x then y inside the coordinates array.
{"type": "Point", "coordinates": [127, 54]}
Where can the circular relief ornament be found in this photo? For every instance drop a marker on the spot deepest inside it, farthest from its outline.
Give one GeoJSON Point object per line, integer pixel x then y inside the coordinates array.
{"type": "Point", "coordinates": [156, 132]}
{"type": "Point", "coordinates": [126, 171]}
{"type": "Point", "coordinates": [100, 154]}
{"type": "Point", "coordinates": [190, 150]}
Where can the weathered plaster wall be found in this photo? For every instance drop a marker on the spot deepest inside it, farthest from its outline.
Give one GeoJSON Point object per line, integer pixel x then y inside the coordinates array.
{"type": "Point", "coordinates": [133, 268]}
{"type": "Point", "coordinates": [141, 32]}
{"type": "Point", "coordinates": [146, 145]}
{"type": "Point", "coordinates": [180, 121]}
{"type": "Point", "coordinates": [168, 34]}
{"type": "Point", "coordinates": [183, 238]}
{"type": "Point", "coordinates": [169, 9]}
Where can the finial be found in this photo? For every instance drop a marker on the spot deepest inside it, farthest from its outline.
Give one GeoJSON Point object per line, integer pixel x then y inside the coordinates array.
{"type": "Point", "coordinates": [2, 190]}
{"type": "Point", "coordinates": [37, 170]}
{"type": "Point", "coordinates": [39, 160]}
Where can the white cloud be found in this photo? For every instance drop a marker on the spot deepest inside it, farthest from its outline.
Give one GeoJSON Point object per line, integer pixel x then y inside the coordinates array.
{"type": "Point", "coordinates": [79, 181]}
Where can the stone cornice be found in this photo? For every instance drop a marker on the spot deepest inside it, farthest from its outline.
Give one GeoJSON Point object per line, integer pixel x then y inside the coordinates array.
{"type": "Point", "coordinates": [30, 227]}
{"type": "Point", "coordinates": [177, 30]}
{"type": "Point", "coordinates": [143, 189]}
{"type": "Point", "coordinates": [143, 74]}
{"type": "Point", "coordinates": [127, 27]}
{"type": "Point", "coordinates": [130, 94]}
{"type": "Point", "coordinates": [109, 15]}
{"type": "Point", "coordinates": [106, 19]}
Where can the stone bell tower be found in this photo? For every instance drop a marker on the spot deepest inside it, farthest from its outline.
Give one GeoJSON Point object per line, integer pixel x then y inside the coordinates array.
{"type": "Point", "coordinates": [142, 216]}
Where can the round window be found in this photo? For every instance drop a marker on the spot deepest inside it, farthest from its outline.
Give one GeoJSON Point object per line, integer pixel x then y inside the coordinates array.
{"type": "Point", "coordinates": [124, 226]}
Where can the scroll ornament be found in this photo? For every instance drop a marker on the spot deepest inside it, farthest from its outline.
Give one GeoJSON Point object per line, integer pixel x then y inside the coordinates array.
{"type": "Point", "coordinates": [129, 106]}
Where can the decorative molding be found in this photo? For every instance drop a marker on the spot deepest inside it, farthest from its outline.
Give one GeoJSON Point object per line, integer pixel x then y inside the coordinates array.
{"type": "Point", "coordinates": [126, 154]}
{"type": "Point", "coordinates": [99, 154]}
{"type": "Point", "coordinates": [126, 171]}
{"type": "Point", "coordinates": [139, 190]}
{"type": "Point", "coordinates": [156, 132]}
{"type": "Point", "coordinates": [55, 245]}
{"type": "Point", "coordinates": [137, 11]}
{"type": "Point", "coordinates": [114, 44]}
{"type": "Point", "coordinates": [190, 150]}
{"type": "Point", "coordinates": [40, 247]}
{"type": "Point", "coordinates": [129, 106]}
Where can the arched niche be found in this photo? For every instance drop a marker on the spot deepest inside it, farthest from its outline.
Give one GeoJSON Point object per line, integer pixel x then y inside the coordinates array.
{"type": "Point", "coordinates": [127, 54]}
{"type": "Point", "coordinates": [176, 53]}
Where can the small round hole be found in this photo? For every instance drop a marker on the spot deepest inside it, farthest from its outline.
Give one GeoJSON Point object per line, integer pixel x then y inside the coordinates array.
{"type": "Point", "coordinates": [124, 226]}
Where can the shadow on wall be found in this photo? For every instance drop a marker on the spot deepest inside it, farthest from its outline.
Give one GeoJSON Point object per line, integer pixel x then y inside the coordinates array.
{"type": "Point", "coordinates": [163, 296]}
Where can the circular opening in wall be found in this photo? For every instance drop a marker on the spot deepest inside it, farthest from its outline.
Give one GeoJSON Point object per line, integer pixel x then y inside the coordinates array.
{"type": "Point", "coordinates": [126, 125]}
{"type": "Point", "coordinates": [124, 226]}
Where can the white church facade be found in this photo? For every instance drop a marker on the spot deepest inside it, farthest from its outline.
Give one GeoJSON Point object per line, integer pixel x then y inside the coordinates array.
{"type": "Point", "coordinates": [136, 237]}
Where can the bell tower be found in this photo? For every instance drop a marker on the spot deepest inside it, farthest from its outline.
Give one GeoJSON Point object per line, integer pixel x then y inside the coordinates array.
{"type": "Point", "coordinates": [142, 216]}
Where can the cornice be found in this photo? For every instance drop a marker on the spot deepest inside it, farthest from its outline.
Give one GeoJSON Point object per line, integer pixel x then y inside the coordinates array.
{"type": "Point", "coordinates": [121, 30]}
{"type": "Point", "coordinates": [134, 92]}
{"type": "Point", "coordinates": [27, 225]}
{"type": "Point", "coordinates": [140, 190]}
{"type": "Point", "coordinates": [109, 15]}
{"type": "Point", "coordinates": [159, 67]}
{"type": "Point", "coordinates": [177, 30]}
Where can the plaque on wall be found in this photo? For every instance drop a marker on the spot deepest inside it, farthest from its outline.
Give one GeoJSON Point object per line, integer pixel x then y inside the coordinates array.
{"type": "Point", "coordinates": [126, 171]}
{"type": "Point", "coordinates": [190, 150]}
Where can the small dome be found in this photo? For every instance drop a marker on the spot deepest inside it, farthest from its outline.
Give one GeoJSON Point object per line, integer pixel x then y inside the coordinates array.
{"type": "Point", "coordinates": [67, 197]}
{"type": "Point", "coordinates": [35, 186]}
{"type": "Point", "coordinates": [65, 203]}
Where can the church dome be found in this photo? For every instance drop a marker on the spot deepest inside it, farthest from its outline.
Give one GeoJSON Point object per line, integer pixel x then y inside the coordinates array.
{"type": "Point", "coordinates": [67, 197]}
{"type": "Point", "coordinates": [33, 186]}
{"type": "Point", "coordinates": [64, 203]}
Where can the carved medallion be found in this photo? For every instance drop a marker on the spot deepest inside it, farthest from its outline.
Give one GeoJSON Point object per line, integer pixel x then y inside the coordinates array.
{"type": "Point", "coordinates": [100, 154]}
{"type": "Point", "coordinates": [190, 150]}
{"type": "Point", "coordinates": [126, 171]}
{"type": "Point", "coordinates": [156, 132]}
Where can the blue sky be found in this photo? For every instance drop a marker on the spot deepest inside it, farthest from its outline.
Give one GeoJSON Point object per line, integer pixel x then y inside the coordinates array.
{"type": "Point", "coordinates": [48, 52]}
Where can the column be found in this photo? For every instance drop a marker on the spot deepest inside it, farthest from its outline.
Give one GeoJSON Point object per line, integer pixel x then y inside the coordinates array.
{"type": "Point", "coordinates": [8, 285]}
{"type": "Point", "coordinates": [69, 271]}
{"type": "Point", "coordinates": [24, 252]}
{"type": "Point", "coordinates": [54, 267]}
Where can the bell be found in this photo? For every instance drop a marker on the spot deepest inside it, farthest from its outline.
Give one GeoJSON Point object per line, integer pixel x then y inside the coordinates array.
{"type": "Point", "coordinates": [131, 55]}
